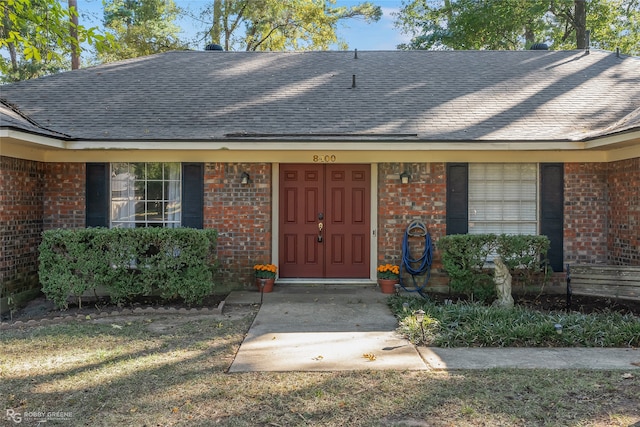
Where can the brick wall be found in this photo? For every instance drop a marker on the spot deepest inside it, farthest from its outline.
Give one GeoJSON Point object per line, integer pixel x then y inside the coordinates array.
{"type": "Point", "coordinates": [34, 197]}
{"type": "Point", "coordinates": [242, 216]}
{"type": "Point", "coordinates": [585, 212]}
{"type": "Point", "coordinates": [64, 195]}
{"type": "Point", "coordinates": [423, 198]}
{"type": "Point", "coordinates": [624, 212]}
{"type": "Point", "coordinates": [602, 213]}
{"type": "Point", "coordinates": [21, 222]}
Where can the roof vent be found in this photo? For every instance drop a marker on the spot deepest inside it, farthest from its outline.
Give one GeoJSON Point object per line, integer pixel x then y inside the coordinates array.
{"type": "Point", "coordinates": [213, 46]}
{"type": "Point", "coordinates": [539, 46]}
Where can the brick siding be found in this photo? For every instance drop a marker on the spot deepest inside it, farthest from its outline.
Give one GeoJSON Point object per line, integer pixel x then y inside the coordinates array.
{"type": "Point", "coordinates": [624, 213]}
{"type": "Point", "coordinates": [21, 222]}
{"type": "Point", "coordinates": [585, 213]}
{"type": "Point", "coordinates": [242, 216]}
{"type": "Point", "coordinates": [423, 199]}
{"type": "Point", "coordinates": [602, 213]}
{"type": "Point", "coordinates": [64, 195]}
{"type": "Point", "coordinates": [34, 197]}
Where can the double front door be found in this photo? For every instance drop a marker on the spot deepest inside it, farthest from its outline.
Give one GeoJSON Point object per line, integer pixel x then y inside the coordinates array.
{"type": "Point", "coordinates": [324, 221]}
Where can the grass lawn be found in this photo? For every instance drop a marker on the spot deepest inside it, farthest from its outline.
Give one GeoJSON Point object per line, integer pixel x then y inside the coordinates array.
{"type": "Point", "coordinates": [166, 370]}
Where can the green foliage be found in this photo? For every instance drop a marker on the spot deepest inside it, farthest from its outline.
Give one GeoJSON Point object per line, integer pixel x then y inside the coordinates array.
{"type": "Point", "coordinates": [526, 258]}
{"type": "Point", "coordinates": [141, 27]}
{"type": "Point", "coordinates": [128, 262]}
{"type": "Point", "coordinates": [516, 24]}
{"type": "Point", "coordinates": [35, 38]}
{"type": "Point", "coordinates": [276, 25]}
{"type": "Point", "coordinates": [465, 258]}
{"type": "Point", "coordinates": [475, 325]}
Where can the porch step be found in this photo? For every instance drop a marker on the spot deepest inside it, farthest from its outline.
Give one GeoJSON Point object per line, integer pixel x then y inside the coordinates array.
{"type": "Point", "coordinates": [307, 282]}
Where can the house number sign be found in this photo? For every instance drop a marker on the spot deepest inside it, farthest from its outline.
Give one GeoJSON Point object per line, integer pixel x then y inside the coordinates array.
{"type": "Point", "coordinates": [327, 158]}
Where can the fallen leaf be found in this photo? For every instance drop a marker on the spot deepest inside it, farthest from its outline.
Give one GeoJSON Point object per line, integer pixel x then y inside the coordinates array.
{"type": "Point", "coordinates": [113, 325]}
{"type": "Point", "coordinates": [627, 376]}
{"type": "Point", "coordinates": [369, 356]}
{"type": "Point", "coordinates": [318, 358]}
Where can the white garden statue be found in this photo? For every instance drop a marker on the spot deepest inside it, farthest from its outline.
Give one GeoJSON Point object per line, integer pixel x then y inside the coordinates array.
{"type": "Point", "coordinates": [502, 278]}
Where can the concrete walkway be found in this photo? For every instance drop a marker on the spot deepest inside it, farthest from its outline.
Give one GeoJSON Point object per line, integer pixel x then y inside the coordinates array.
{"type": "Point", "coordinates": [341, 327]}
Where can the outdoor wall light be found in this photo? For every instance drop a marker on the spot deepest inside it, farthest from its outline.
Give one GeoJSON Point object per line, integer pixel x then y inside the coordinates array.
{"type": "Point", "coordinates": [244, 178]}
{"type": "Point", "coordinates": [404, 178]}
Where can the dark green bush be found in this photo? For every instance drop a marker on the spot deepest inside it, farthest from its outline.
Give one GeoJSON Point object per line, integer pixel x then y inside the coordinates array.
{"type": "Point", "coordinates": [126, 263]}
{"type": "Point", "coordinates": [465, 258]}
{"type": "Point", "coordinates": [526, 258]}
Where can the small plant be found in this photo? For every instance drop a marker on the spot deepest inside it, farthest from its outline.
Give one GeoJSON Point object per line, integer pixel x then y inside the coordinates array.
{"type": "Point", "coordinates": [265, 271]}
{"type": "Point", "coordinates": [388, 272]}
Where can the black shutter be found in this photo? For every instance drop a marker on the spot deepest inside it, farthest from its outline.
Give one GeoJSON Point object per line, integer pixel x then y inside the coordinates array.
{"type": "Point", "coordinates": [192, 195]}
{"type": "Point", "coordinates": [457, 198]}
{"type": "Point", "coordinates": [97, 195]}
{"type": "Point", "coordinates": [552, 210]}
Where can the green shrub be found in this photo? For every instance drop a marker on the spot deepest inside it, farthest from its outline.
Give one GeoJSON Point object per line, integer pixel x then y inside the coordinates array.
{"type": "Point", "coordinates": [526, 258]}
{"type": "Point", "coordinates": [465, 257]}
{"type": "Point", "coordinates": [128, 262]}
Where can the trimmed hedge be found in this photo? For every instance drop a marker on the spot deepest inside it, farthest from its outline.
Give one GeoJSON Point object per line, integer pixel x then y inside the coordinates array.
{"type": "Point", "coordinates": [128, 262]}
{"type": "Point", "coordinates": [465, 259]}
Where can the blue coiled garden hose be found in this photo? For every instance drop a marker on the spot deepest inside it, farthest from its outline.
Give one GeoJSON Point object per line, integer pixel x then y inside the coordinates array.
{"type": "Point", "coordinates": [420, 266]}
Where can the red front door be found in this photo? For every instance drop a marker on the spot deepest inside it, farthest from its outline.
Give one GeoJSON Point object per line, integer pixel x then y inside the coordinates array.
{"type": "Point", "coordinates": [324, 221]}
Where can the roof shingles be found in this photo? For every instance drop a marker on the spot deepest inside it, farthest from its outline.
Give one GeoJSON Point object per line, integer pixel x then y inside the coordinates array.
{"type": "Point", "coordinates": [438, 96]}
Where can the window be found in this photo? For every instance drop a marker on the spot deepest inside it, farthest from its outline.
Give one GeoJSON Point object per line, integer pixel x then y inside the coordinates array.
{"type": "Point", "coordinates": [146, 195]}
{"type": "Point", "coordinates": [503, 198]}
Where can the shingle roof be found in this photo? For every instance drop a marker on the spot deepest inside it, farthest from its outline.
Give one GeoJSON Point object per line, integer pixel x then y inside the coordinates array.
{"type": "Point", "coordinates": [12, 118]}
{"type": "Point", "coordinates": [414, 95]}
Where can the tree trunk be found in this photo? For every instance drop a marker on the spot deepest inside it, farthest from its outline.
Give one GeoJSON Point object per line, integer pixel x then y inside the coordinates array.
{"type": "Point", "coordinates": [580, 24]}
{"type": "Point", "coordinates": [529, 36]}
{"type": "Point", "coordinates": [73, 32]}
{"type": "Point", "coordinates": [216, 30]}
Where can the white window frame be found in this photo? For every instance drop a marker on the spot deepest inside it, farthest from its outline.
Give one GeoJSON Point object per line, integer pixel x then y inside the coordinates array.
{"type": "Point", "coordinates": [487, 205]}
{"type": "Point", "coordinates": [129, 209]}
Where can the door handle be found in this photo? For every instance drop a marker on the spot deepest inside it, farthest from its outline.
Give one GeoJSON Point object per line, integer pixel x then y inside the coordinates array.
{"type": "Point", "coordinates": [320, 226]}
{"type": "Point", "coordinates": [320, 232]}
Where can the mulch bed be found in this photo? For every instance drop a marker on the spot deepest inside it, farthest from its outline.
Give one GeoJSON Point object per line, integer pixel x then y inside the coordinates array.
{"type": "Point", "coordinates": [41, 308]}
{"type": "Point", "coordinates": [558, 302]}
{"type": "Point", "coordinates": [580, 303]}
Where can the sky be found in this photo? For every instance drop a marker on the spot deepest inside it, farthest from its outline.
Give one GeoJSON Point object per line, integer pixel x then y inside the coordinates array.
{"type": "Point", "coordinates": [381, 35]}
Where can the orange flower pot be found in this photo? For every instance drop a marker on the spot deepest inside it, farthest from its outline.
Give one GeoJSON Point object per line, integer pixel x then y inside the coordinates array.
{"type": "Point", "coordinates": [387, 286]}
{"type": "Point", "coordinates": [265, 285]}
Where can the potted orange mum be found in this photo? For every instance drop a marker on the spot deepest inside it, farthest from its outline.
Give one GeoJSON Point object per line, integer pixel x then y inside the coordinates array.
{"type": "Point", "coordinates": [265, 276]}
{"type": "Point", "coordinates": [388, 277]}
